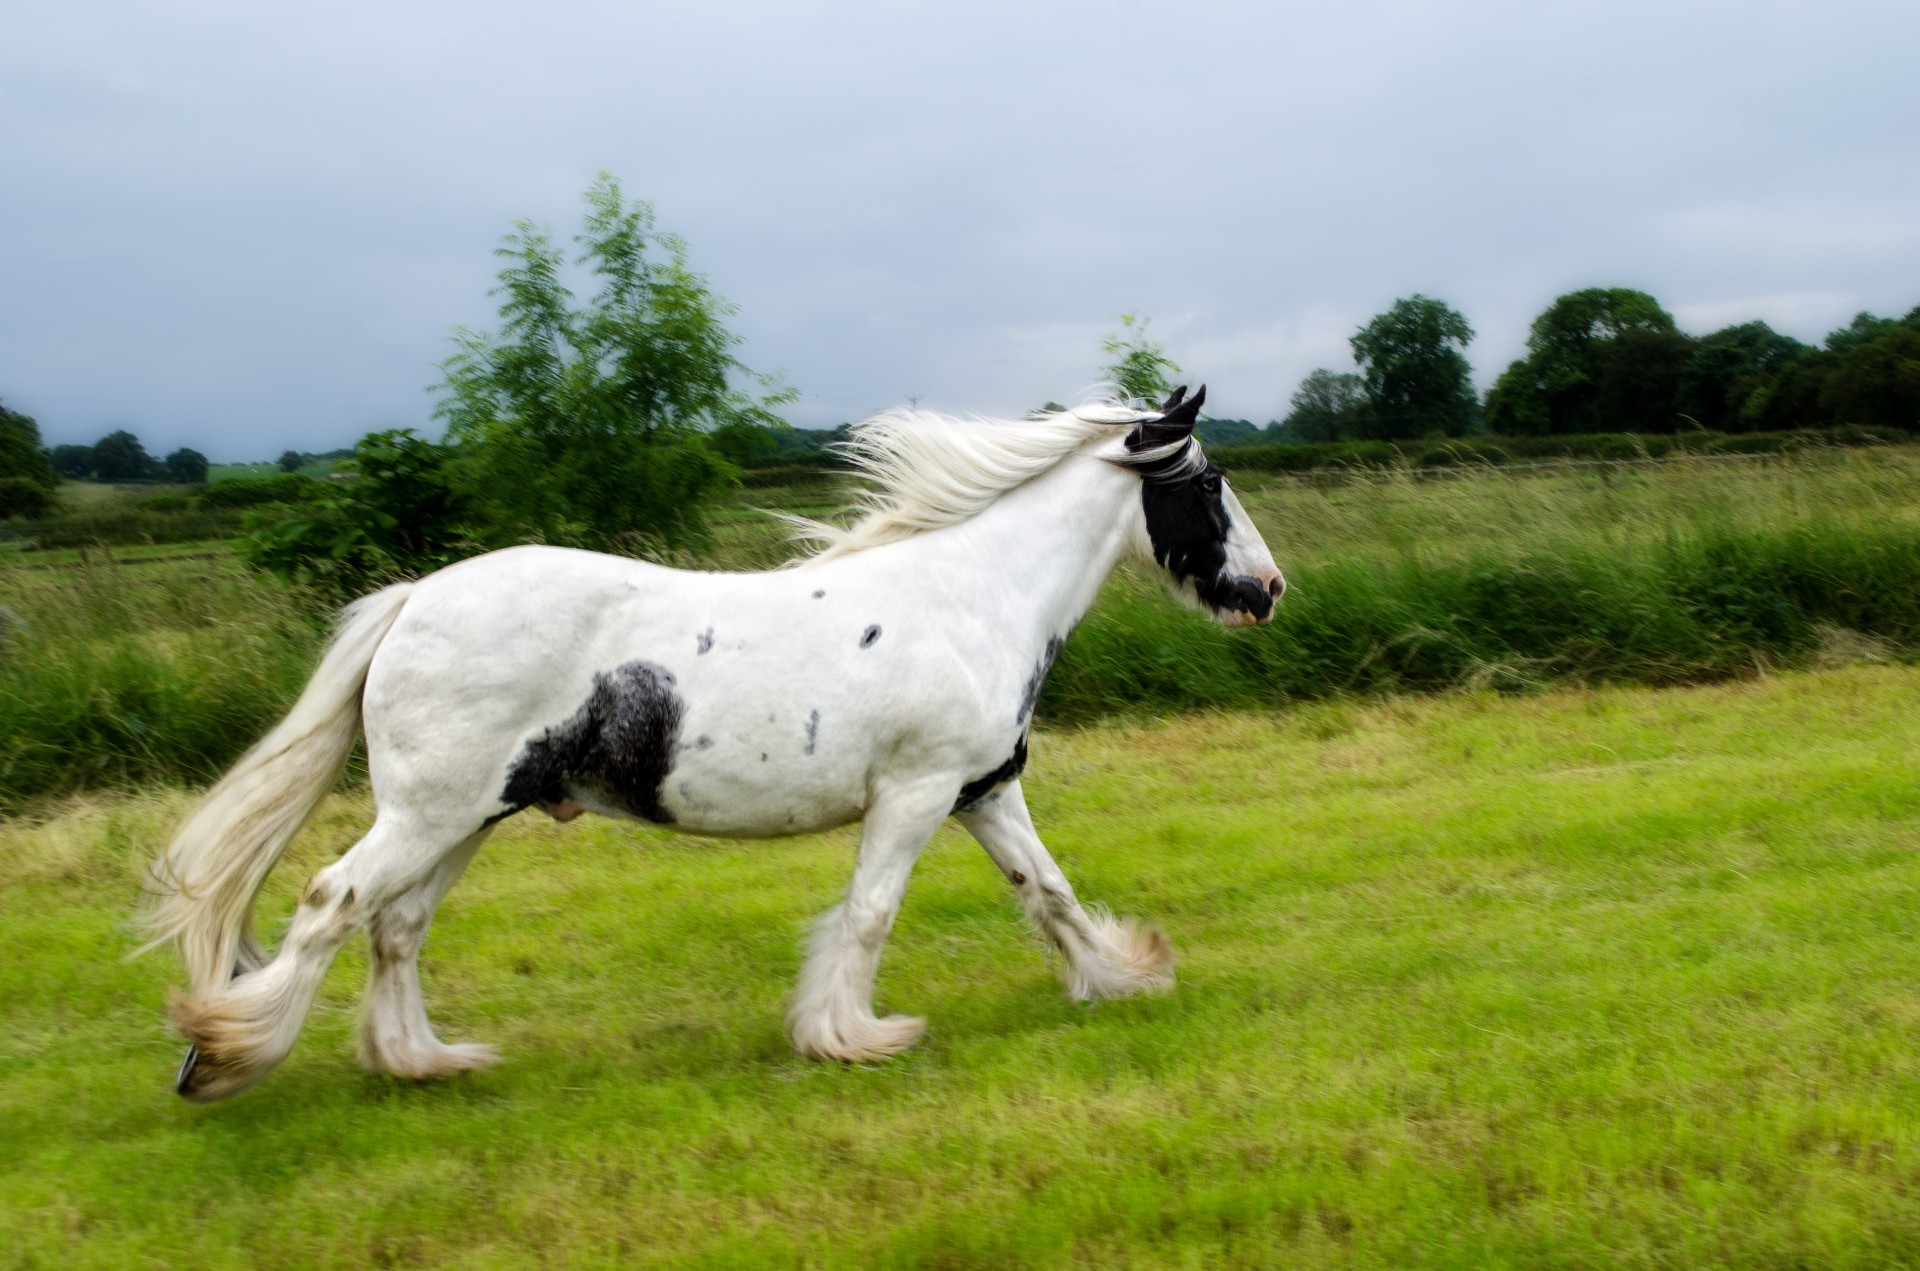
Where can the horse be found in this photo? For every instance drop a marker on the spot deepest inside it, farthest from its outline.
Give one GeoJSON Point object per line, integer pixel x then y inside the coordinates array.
{"type": "Point", "coordinates": [888, 677]}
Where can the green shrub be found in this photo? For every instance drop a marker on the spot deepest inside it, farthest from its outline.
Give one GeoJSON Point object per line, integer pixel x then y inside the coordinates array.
{"type": "Point", "coordinates": [25, 498]}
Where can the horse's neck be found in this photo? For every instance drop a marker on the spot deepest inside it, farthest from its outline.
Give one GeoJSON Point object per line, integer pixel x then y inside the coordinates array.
{"type": "Point", "coordinates": [1035, 560]}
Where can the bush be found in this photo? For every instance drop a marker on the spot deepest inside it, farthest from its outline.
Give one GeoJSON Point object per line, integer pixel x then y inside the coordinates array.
{"type": "Point", "coordinates": [24, 498]}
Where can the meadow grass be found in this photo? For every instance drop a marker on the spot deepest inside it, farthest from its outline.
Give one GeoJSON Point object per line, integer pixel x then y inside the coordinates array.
{"type": "Point", "coordinates": [1608, 978]}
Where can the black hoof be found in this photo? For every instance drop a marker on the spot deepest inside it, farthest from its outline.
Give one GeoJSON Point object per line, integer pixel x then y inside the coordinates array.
{"type": "Point", "coordinates": [183, 1080]}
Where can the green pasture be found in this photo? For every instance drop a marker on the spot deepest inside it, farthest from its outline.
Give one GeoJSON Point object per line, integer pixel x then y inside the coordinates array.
{"type": "Point", "coordinates": [1597, 978]}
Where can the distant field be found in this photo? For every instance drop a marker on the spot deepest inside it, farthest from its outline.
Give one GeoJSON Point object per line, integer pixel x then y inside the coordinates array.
{"type": "Point", "coordinates": [228, 471]}
{"type": "Point", "coordinates": [1612, 978]}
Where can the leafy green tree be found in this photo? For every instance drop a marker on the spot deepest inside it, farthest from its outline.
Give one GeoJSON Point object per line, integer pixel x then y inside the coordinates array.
{"type": "Point", "coordinates": [403, 515]}
{"type": "Point", "coordinates": [1728, 368]}
{"type": "Point", "coordinates": [1328, 406]}
{"type": "Point", "coordinates": [291, 461]}
{"type": "Point", "coordinates": [1876, 381]}
{"type": "Point", "coordinates": [1864, 328]}
{"type": "Point", "coordinates": [588, 424]}
{"type": "Point", "coordinates": [1558, 387]}
{"type": "Point", "coordinates": [1416, 376]}
{"type": "Point", "coordinates": [187, 466]}
{"type": "Point", "coordinates": [75, 463]}
{"type": "Point", "coordinates": [1639, 381]}
{"type": "Point", "coordinates": [22, 457]}
{"type": "Point", "coordinates": [119, 456]}
{"type": "Point", "coordinates": [1140, 368]}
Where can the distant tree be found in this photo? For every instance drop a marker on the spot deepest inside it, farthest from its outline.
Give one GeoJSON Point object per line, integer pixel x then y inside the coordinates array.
{"type": "Point", "coordinates": [1864, 328]}
{"type": "Point", "coordinates": [1140, 368]}
{"type": "Point", "coordinates": [119, 456]}
{"type": "Point", "coordinates": [1726, 370]}
{"type": "Point", "coordinates": [1639, 381]}
{"type": "Point", "coordinates": [1557, 387]}
{"type": "Point", "coordinates": [291, 461]}
{"type": "Point", "coordinates": [1328, 406]}
{"type": "Point", "coordinates": [75, 463]}
{"type": "Point", "coordinates": [187, 466]}
{"type": "Point", "coordinates": [1417, 379]}
{"type": "Point", "coordinates": [1876, 381]}
{"type": "Point", "coordinates": [22, 457]}
{"type": "Point", "coordinates": [588, 424]}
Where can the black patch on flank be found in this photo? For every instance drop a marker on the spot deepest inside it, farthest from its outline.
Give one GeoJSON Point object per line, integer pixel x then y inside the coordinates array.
{"type": "Point", "coordinates": [704, 641]}
{"type": "Point", "coordinates": [975, 791]}
{"type": "Point", "coordinates": [868, 636]}
{"type": "Point", "coordinates": [1031, 694]}
{"type": "Point", "coordinates": [617, 746]}
{"type": "Point", "coordinates": [818, 594]}
{"type": "Point", "coordinates": [813, 730]}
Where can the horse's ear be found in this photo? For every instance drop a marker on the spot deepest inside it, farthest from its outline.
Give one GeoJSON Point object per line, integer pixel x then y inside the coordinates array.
{"type": "Point", "coordinates": [1173, 399]}
{"type": "Point", "coordinates": [1179, 417]}
{"type": "Point", "coordinates": [1175, 423]}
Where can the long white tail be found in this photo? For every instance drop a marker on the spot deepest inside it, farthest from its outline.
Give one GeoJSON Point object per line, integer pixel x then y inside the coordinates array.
{"type": "Point", "coordinates": [206, 881]}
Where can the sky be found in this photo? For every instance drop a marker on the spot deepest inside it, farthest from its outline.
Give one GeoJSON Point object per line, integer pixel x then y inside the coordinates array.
{"type": "Point", "coordinates": [246, 228]}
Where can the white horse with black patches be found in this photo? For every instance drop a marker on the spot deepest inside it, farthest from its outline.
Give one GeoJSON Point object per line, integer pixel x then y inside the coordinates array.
{"type": "Point", "coordinates": [890, 677]}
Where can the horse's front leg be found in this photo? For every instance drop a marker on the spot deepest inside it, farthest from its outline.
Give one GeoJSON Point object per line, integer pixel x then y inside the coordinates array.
{"type": "Point", "coordinates": [1106, 957]}
{"type": "Point", "coordinates": [832, 1014]}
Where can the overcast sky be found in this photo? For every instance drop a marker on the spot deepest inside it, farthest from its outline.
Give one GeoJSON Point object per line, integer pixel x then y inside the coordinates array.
{"type": "Point", "coordinates": [248, 227]}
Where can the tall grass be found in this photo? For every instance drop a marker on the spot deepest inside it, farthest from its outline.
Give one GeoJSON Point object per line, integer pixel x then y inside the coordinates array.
{"type": "Point", "coordinates": [117, 674]}
{"type": "Point", "coordinates": [1687, 572]}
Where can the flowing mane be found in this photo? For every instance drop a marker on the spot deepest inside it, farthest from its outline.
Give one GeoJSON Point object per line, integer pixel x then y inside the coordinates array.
{"type": "Point", "coordinates": [930, 470]}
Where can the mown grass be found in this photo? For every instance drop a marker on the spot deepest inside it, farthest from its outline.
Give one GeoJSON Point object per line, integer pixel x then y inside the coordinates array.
{"type": "Point", "coordinates": [1590, 978]}
{"type": "Point", "coordinates": [1677, 574]}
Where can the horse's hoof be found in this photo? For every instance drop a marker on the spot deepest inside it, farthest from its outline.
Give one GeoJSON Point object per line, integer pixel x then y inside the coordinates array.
{"type": "Point", "coordinates": [183, 1080]}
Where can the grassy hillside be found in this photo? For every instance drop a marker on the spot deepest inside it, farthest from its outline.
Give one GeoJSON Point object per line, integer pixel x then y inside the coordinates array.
{"type": "Point", "coordinates": [1614, 978]}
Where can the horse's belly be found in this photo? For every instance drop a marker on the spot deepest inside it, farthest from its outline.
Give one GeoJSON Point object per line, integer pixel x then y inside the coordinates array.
{"type": "Point", "coordinates": [752, 792]}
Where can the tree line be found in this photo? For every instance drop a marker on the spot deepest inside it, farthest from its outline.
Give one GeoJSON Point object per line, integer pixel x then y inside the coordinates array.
{"type": "Point", "coordinates": [1608, 360]}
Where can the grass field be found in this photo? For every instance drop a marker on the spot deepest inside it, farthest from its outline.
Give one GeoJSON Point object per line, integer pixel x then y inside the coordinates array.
{"type": "Point", "coordinates": [1616, 978]}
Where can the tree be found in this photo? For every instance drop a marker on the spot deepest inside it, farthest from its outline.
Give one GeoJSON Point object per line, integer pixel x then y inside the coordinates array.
{"type": "Point", "coordinates": [119, 456]}
{"type": "Point", "coordinates": [1726, 370]}
{"type": "Point", "coordinates": [1639, 376]}
{"type": "Point", "coordinates": [1140, 369]}
{"type": "Point", "coordinates": [187, 466]}
{"type": "Point", "coordinates": [22, 457]}
{"type": "Point", "coordinates": [1877, 381]}
{"type": "Point", "coordinates": [1328, 406]}
{"type": "Point", "coordinates": [291, 461]}
{"type": "Point", "coordinates": [75, 463]}
{"type": "Point", "coordinates": [1417, 379]}
{"type": "Point", "coordinates": [587, 424]}
{"type": "Point", "coordinates": [404, 515]}
{"type": "Point", "coordinates": [1567, 342]}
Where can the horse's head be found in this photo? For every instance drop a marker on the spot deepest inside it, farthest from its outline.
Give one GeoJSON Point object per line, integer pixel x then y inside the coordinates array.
{"type": "Point", "coordinates": [1194, 528]}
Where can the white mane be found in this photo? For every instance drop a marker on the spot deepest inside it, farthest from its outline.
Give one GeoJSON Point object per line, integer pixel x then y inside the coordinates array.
{"type": "Point", "coordinates": [930, 470]}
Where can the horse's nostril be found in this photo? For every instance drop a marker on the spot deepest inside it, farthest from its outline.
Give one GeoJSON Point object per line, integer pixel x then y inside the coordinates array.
{"type": "Point", "coordinates": [1276, 587]}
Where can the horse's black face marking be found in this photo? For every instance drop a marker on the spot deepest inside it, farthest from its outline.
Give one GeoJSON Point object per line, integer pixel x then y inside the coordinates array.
{"type": "Point", "coordinates": [1030, 696]}
{"type": "Point", "coordinates": [818, 594]}
{"type": "Point", "coordinates": [1188, 524]}
{"type": "Point", "coordinates": [868, 636]}
{"type": "Point", "coordinates": [976, 792]}
{"type": "Point", "coordinates": [813, 730]}
{"type": "Point", "coordinates": [704, 642]}
{"type": "Point", "coordinates": [618, 746]}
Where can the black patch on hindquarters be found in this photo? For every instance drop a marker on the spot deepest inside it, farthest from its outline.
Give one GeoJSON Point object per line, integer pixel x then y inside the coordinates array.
{"type": "Point", "coordinates": [813, 730]}
{"type": "Point", "coordinates": [1030, 696]}
{"type": "Point", "coordinates": [618, 745]}
{"type": "Point", "coordinates": [818, 594]}
{"type": "Point", "coordinates": [703, 642]}
{"type": "Point", "coordinates": [870, 635]}
{"type": "Point", "coordinates": [975, 791]}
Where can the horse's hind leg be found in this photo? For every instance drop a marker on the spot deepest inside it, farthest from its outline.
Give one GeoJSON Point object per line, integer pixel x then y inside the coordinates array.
{"type": "Point", "coordinates": [395, 1036]}
{"type": "Point", "coordinates": [1106, 957]}
{"type": "Point", "coordinates": [239, 1033]}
